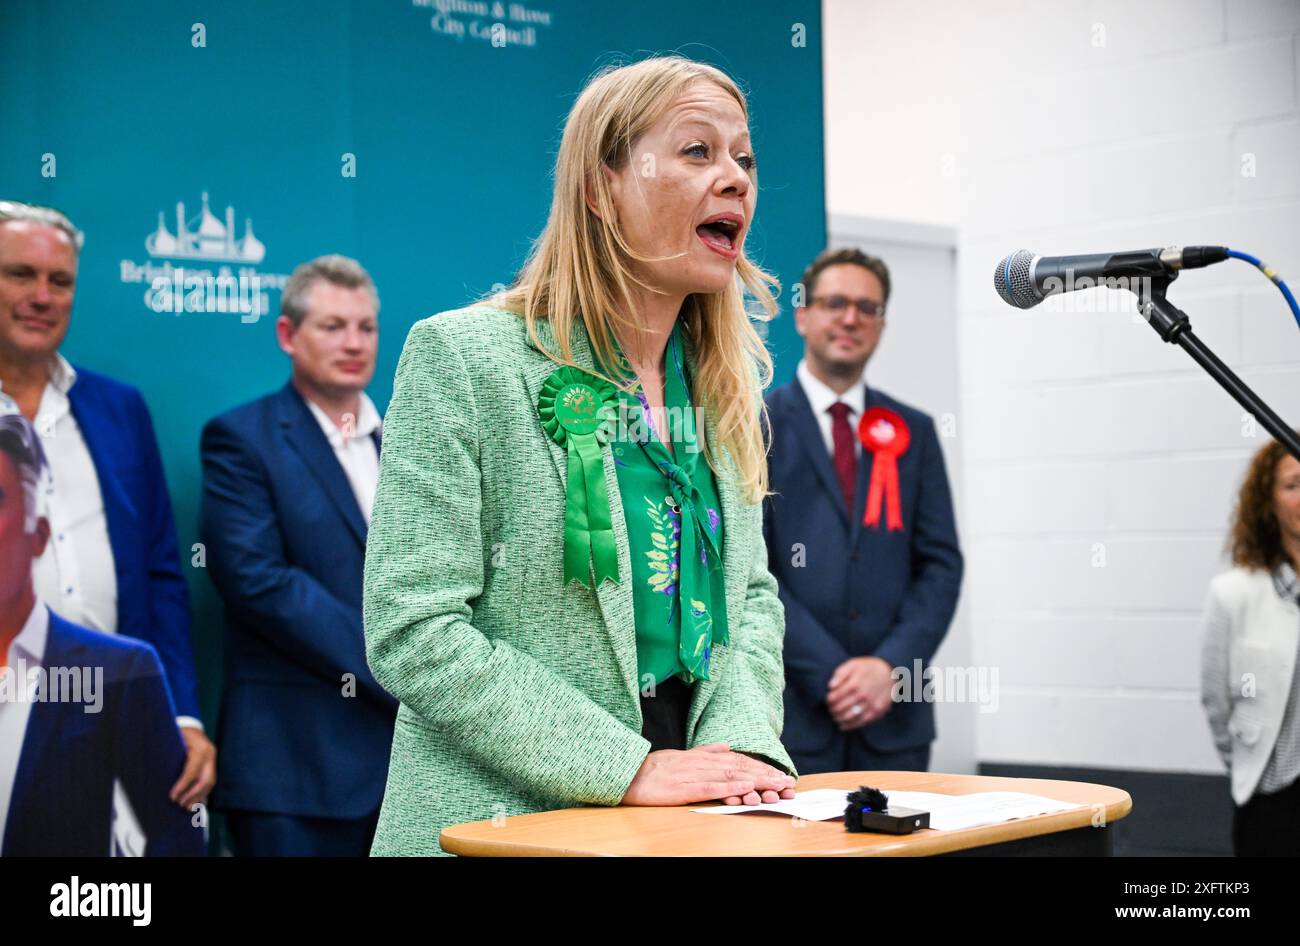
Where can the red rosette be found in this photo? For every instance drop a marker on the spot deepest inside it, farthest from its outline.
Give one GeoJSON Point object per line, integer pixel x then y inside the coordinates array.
{"type": "Point", "coordinates": [886, 435]}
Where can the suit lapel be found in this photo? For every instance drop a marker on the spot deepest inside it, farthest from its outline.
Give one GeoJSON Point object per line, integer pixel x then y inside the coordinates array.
{"type": "Point", "coordinates": [615, 598]}
{"type": "Point", "coordinates": [49, 719]}
{"type": "Point", "coordinates": [800, 415]}
{"type": "Point", "coordinates": [304, 436]}
{"type": "Point", "coordinates": [865, 462]}
{"type": "Point", "coordinates": [119, 510]}
{"type": "Point", "coordinates": [100, 440]}
{"type": "Point", "coordinates": [535, 376]}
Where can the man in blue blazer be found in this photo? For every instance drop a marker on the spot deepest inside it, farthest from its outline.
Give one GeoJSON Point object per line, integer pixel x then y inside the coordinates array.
{"type": "Point", "coordinates": [288, 482]}
{"type": "Point", "coordinates": [113, 563]}
{"type": "Point", "coordinates": [861, 597]}
{"type": "Point", "coordinates": [102, 715]}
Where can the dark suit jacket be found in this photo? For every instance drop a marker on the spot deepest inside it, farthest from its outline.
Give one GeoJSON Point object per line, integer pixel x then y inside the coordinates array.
{"type": "Point", "coordinates": [152, 599]}
{"type": "Point", "coordinates": [860, 590]}
{"type": "Point", "coordinates": [62, 803]}
{"type": "Point", "coordinates": [286, 549]}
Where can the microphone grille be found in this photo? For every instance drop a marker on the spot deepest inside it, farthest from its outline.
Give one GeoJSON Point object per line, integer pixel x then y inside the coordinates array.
{"type": "Point", "coordinates": [1011, 279]}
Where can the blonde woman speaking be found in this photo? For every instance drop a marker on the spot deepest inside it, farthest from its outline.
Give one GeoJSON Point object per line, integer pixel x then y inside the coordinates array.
{"type": "Point", "coordinates": [566, 586]}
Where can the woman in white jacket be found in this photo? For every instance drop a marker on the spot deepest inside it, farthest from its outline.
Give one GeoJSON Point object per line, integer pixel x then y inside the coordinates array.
{"type": "Point", "coordinates": [1250, 687]}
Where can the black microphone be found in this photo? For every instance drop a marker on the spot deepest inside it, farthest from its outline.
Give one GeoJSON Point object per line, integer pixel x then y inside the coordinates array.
{"type": "Point", "coordinates": [1023, 279]}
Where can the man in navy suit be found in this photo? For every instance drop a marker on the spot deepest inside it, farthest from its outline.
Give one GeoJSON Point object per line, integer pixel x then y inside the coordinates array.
{"type": "Point", "coordinates": [102, 715]}
{"type": "Point", "coordinates": [867, 563]}
{"type": "Point", "coordinates": [288, 484]}
{"type": "Point", "coordinates": [112, 563]}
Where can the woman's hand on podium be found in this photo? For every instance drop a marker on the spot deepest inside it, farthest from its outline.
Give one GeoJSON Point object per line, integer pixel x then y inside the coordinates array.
{"type": "Point", "coordinates": [765, 797]}
{"type": "Point", "coordinates": [706, 773]}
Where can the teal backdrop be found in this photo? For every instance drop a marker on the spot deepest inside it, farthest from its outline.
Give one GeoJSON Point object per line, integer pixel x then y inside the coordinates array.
{"type": "Point", "coordinates": [394, 131]}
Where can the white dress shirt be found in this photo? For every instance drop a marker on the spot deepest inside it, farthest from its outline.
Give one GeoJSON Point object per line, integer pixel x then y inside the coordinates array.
{"type": "Point", "coordinates": [29, 649]}
{"type": "Point", "coordinates": [822, 397]}
{"type": "Point", "coordinates": [75, 576]}
{"type": "Point", "coordinates": [355, 450]}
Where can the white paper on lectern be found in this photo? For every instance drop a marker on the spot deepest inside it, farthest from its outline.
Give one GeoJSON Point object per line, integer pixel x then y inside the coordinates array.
{"type": "Point", "coordinates": [818, 804]}
{"type": "Point", "coordinates": [947, 812]}
{"type": "Point", "coordinates": [954, 812]}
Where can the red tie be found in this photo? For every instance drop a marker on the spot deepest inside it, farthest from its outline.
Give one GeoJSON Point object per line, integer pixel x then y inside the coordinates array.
{"type": "Point", "coordinates": [846, 463]}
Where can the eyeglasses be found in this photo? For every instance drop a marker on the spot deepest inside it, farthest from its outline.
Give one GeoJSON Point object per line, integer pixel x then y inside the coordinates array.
{"type": "Point", "coordinates": [870, 308]}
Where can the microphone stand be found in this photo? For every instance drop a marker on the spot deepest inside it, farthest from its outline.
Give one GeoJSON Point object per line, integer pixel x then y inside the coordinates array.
{"type": "Point", "coordinates": [1173, 326]}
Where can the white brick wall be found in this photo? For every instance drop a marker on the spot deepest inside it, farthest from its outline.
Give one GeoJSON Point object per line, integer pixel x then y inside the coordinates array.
{"type": "Point", "coordinates": [1068, 127]}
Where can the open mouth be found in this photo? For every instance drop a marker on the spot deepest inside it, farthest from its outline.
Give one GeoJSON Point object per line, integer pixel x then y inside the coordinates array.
{"type": "Point", "coordinates": [720, 234]}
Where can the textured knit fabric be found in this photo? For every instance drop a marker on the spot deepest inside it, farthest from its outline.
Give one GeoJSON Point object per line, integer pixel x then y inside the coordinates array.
{"type": "Point", "coordinates": [1249, 647]}
{"type": "Point", "coordinates": [519, 693]}
{"type": "Point", "coordinates": [1284, 765]}
{"type": "Point", "coordinates": [656, 510]}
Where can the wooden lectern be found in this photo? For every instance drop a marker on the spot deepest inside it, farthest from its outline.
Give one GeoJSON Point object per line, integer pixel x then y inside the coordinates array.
{"type": "Point", "coordinates": [680, 832]}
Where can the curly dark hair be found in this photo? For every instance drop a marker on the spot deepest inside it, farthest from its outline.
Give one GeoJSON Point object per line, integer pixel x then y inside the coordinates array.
{"type": "Point", "coordinates": [1256, 540]}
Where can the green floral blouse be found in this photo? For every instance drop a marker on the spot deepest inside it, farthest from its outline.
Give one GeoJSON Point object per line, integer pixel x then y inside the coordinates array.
{"type": "Point", "coordinates": [670, 503]}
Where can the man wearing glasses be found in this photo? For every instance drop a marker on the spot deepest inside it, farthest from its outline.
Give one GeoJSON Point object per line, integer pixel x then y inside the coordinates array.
{"type": "Point", "coordinates": [860, 535]}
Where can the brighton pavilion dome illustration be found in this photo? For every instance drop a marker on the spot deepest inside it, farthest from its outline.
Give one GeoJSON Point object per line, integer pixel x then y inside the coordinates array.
{"type": "Point", "coordinates": [205, 237]}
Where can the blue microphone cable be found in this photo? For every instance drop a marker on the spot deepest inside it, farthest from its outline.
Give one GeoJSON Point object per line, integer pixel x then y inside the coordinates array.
{"type": "Point", "coordinates": [1271, 274]}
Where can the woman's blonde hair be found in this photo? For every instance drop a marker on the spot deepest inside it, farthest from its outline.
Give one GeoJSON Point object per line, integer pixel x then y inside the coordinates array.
{"type": "Point", "coordinates": [581, 265]}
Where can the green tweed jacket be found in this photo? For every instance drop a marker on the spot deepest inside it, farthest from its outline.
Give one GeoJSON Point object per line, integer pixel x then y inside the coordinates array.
{"type": "Point", "coordinates": [519, 693]}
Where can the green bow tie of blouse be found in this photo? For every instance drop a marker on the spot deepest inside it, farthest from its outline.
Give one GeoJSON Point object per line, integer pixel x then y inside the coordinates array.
{"type": "Point", "coordinates": [675, 528]}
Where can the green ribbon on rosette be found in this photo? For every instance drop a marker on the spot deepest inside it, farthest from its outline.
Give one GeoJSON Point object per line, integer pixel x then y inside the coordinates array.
{"type": "Point", "coordinates": [573, 406]}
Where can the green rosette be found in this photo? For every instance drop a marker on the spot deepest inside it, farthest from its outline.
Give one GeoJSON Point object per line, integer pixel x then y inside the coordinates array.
{"type": "Point", "coordinates": [573, 406]}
